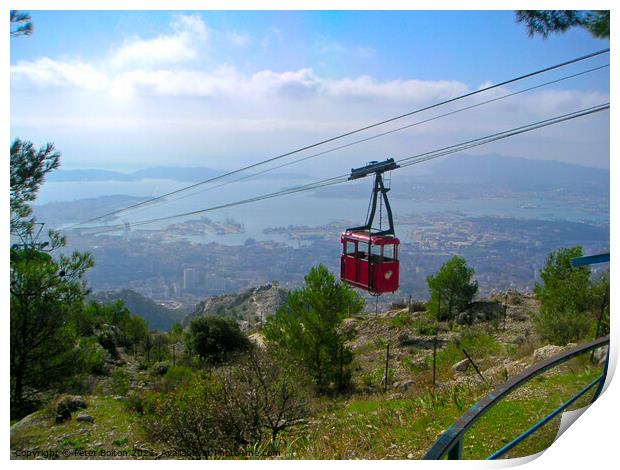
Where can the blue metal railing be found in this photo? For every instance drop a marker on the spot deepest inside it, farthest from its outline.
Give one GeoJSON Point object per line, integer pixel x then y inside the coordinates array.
{"type": "Point", "coordinates": [450, 443]}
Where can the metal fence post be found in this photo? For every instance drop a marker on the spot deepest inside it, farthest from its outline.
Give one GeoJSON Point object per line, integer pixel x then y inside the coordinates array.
{"type": "Point", "coordinates": [456, 453]}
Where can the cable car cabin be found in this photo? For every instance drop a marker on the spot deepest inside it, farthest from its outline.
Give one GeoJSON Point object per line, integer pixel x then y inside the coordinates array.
{"type": "Point", "coordinates": [369, 258]}
{"type": "Point", "coordinates": [370, 262]}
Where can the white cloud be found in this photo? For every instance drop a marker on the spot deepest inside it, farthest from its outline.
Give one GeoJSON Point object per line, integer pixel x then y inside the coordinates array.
{"type": "Point", "coordinates": [174, 91]}
{"type": "Point", "coordinates": [183, 45]}
{"type": "Point", "coordinates": [46, 72]}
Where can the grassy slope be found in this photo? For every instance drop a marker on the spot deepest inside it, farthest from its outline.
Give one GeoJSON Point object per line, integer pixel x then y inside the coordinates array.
{"type": "Point", "coordinates": [113, 428]}
{"type": "Point", "coordinates": [371, 428]}
{"type": "Point", "coordinates": [374, 425]}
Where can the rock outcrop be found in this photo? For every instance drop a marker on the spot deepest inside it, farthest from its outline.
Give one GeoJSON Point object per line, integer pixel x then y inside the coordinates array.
{"type": "Point", "coordinates": [254, 304]}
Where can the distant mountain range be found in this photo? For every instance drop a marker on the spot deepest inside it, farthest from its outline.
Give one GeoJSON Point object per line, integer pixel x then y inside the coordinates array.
{"type": "Point", "coordinates": [188, 174]}
{"type": "Point", "coordinates": [519, 173]}
{"type": "Point", "coordinates": [471, 175]}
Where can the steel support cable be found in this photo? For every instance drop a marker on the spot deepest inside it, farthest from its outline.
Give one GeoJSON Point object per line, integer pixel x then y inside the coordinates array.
{"type": "Point", "coordinates": [346, 134]}
{"type": "Point", "coordinates": [376, 136]}
{"type": "Point", "coordinates": [405, 162]}
{"type": "Point", "coordinates": [296, 189]}
{"type": "Point", "coordinates": [499, 136]}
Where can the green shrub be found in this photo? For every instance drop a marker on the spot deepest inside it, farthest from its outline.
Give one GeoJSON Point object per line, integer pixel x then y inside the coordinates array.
{"type": "Point", "coordinates": [176, 376]}
{"type": "Point", "coordinates": [213, 338]}
{"type": "Point", "coordinates": [452, 289]}
{"type": "Point", "coordinates": [565, 298]}
{"type": "Point", "coordinates": [93, 355]}
{"type": "Point", "coordinates": [229, 410]}
{"type": "Point", "coordinates": [399, 304]}
{"type": "Point", "coordinates": [374, 381]}
{"type": "Point", "coordinates": [160, 368]}
{"type": "Point", "coordinates": [120, 381]}
{"type": "Point", "coordinates": [477, 344]}
{"type": "Point", "coordinates": [402, 320]}
{"type": "Point", "coordinates": [563, 327]}
{"type": "Point", "coordinates": [425, 327]}
{"type": "Point", "coordinates": [417, 306]}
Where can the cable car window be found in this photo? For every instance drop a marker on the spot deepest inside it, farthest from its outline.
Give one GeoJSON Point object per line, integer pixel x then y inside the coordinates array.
{"type": "Point", "coordinates": [377, 253]}
{"type": "Point", "coordinates": [362, 250]}
{"type": "Point", "coordinates": [389, 252]}
{"type": "Point", "coordinates": [349, 248]}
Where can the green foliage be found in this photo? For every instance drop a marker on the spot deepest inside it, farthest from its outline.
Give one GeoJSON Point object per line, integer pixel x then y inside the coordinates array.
{"type": "Point", "coordinates": [424, 326]}
{"type": "Point", "coordinates": [402, 320]}
{"type": "Point", "coordinates": [451, 288]}
{"type": "Point", "coordinates": [28, 170]}
{"type": "Point", "coordinates": [161, 368]}
{"type": "Point", "coordinates": [544, 22]}
{"type": "Point", "coordinates": [92, 355]}
{"type": "Point", "coordinates": [176, 376]}
{"type": "Point", "coordinates": [374, 381]}
{"type": "Point", "coordinates": [214, 338]}
{"type": "Point", "coordinates": [599, 298]}
{"type": "Point", "coordinates": [45, 293]}
{"type": "Point", "coordinates": [564, 298]}
{"type": "Point", "coordinates": [176, 332]}
{"type": "Point", "coordinates": [306, 327]}
{"type": "Point", "coordinates": [120, 381]}
{"type": "Point", "coordinates": [21, 24]}
{"type": "Point", "coordinates": [112, 323]}
{"type": "Point", "coordinates": [477, 344]}
{"type": "Point", "coordinates": [229, 410]}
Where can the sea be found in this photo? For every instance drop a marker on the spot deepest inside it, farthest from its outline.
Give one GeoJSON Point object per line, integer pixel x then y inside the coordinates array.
{"type": "Point", "coordinates": [308, 208]}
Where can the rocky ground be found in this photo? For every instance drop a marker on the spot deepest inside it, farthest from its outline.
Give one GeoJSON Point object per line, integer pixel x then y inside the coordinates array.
{"type": "Point", "coordinates": [503, 345]}
{"type": "Point", "coordinates": [249, 307]}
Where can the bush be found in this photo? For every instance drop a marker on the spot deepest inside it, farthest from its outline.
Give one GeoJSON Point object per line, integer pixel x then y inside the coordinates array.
{"type": "Point", "coordinates": [399, 304]}
{"type": "Point", "coordinates": [374, 381]}
{"type": "Point", "coordinates": [565, 299]}
{"type": "Point", "coordinates": [401, 320]}
{"type": "Point", "coordinates": [141, 402]}
{"type": "Point", "coordinates": [213, 339]}
{"type": "Point", "coordinates": [477, 344]}
{"type": "Point", "coordinates": [176, 376]}
{"type": "Point", "coordinates": [452, 289]}
{"type": "Point", "coordinates": [230, 410]}
{"type": "Point", "coordinates": [564, 327]}
{"type": "Point", "coordinates": [120, 381]}
{"type": "Point", "coordinates": [93, 356]}
{"type": "Point", "coordinates": [160, 368]}
{"type": "Point", "coordinates": [107, 339]}
{"type": "Point", "coordinates": [425, 327]}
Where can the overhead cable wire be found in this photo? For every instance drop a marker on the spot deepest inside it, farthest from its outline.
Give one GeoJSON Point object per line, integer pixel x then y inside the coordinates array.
{"type": "Point", "coordinates": [346, 134]}
{"type": "Point", "coordinates": [382, 134]}
{"type": "Point", "coordinates": [500, 135]}
{"type": "Point", "coordinates": [405, 162]}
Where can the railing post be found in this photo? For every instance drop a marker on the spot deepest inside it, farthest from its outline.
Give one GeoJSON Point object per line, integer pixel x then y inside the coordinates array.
{"type": "Point", "coordinates": [456, 453]}
{"type": "Point", "coordinates": [601, 384]}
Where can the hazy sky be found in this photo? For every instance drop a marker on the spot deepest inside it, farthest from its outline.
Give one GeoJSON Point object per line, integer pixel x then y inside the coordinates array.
{"type": "Point", "coordinates": [126, 90]}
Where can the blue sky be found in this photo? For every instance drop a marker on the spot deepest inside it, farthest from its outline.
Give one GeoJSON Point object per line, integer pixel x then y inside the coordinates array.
{"type": "Point", "coordinates": [124, 90]}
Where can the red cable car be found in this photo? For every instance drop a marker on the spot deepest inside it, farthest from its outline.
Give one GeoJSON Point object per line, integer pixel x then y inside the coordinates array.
{"type": "Point", "coordinates": [369, 259]}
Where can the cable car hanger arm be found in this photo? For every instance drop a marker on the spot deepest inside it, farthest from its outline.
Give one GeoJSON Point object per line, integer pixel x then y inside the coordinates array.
{"type": "Point", "coordinates": [378, 168]}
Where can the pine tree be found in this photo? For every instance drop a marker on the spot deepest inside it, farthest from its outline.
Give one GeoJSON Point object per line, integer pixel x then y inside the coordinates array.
{"type": "Point", "coordinates": [307, 327]}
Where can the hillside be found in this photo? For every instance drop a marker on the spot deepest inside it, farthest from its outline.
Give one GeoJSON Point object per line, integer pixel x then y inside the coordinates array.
{"type": "Point", "coordinates": [397, 420]}
{"type": "Point", "coordinates": [248, 307]}
{"type": "Point", "coordinates": [157, 316]}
